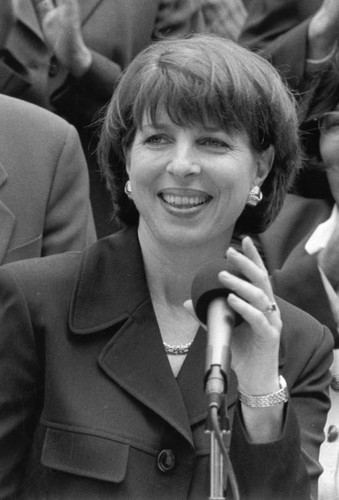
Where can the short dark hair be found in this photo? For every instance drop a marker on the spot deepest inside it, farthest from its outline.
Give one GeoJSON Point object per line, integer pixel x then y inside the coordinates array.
{"type": "Point", "coordinates": [201, 79]}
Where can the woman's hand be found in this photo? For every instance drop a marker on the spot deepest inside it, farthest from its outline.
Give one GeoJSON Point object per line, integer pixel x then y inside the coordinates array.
{"type": "Point", "coordinates": [255, 343]}
{"type": "Point", "coordinates": [323, 30]}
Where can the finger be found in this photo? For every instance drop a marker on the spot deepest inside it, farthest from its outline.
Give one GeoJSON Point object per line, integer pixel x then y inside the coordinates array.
{"type": "Point", "coordinates": [251, 252]}
{"type": "Point", "coordinates": [253, 316]}
{"type": "Point", "coordinates": [250, 293]}
{"type": "Point", "coordinates": [42, 8]}
{"type": "Point", "coordinates": [257, 275]}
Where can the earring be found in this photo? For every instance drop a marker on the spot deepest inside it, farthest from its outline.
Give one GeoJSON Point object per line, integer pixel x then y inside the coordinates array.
{"type": "Point", "coordinates": [128, 189]}
{"type": "Point", "coordinates": [254, 196]}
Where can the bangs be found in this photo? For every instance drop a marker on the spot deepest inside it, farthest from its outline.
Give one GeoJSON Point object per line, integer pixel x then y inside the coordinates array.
{"type": "Point", "coordinates": [187, 99]}
{"type": "Point", "coordinates": [204, 80]}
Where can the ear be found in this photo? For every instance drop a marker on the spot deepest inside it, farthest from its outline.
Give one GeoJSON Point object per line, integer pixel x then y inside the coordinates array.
{"type": "Point", "coordinates": [264, 164]}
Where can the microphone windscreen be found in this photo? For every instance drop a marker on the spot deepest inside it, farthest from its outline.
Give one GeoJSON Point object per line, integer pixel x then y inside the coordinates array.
{"type": "Point", "coordinates": [207, 287]}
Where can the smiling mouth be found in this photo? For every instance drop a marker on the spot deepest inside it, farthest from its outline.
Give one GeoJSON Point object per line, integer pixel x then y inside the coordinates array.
{"type": "Point", "coordinates": [184, 202]}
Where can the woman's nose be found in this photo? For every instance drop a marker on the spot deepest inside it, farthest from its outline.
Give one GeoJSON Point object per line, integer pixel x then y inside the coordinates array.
{"type": "Point", "coordinates": [183, 163]}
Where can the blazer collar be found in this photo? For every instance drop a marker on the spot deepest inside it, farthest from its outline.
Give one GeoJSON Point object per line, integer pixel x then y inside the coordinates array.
{"type": "Point", "coordinates": [7, 218]}
{"type": "Point", "coordinates": [110, 285]}
{"type": "Point", "coordinates": [111, 293]}
{"type": "Point", "coordinates": [3, 174]}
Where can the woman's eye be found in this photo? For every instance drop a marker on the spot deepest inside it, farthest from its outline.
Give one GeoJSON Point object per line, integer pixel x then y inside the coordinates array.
{"type": "Point", "coordinates": [156, 139]}
{"type": "Point", "coordinates": [213, 142]}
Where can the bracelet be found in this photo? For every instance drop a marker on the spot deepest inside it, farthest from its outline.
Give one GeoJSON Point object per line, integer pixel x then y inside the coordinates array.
{"type": "Point", "coordinates": [266, 400]}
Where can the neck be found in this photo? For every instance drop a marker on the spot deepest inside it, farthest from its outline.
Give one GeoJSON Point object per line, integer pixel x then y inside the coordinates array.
{"type": "Point", "coordinates": [170, 270]}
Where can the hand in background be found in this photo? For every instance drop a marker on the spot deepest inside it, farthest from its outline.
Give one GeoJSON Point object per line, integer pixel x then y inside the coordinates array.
{"type": "Point", "coordinates": [324, 30]}
{"type": "Point", "coordinates": [60, 23]}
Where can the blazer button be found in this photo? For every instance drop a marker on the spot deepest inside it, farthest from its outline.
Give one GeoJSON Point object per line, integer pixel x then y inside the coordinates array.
{"type": "Point", "coordinates": [53, 67]}
{"type": "Point", "coordinates": [166, 460]}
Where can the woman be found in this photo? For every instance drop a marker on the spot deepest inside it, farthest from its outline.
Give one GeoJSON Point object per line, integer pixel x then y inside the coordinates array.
{"type": "Point", "coordinates": [104, 366]}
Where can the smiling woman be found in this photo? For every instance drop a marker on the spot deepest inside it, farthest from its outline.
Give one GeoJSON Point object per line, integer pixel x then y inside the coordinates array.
{"type": "Point", "coordinates": [106, 358]}
{"type": "Point", "coordinates": [191, 183]}
{"type": "Point", "coordinates": [204, 84]}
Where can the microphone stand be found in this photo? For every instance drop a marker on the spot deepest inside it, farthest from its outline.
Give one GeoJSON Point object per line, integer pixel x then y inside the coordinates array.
{"type": "Point", "coordinates": [218, 426]}
{"type": "Point", "coordinates": [218, 472]}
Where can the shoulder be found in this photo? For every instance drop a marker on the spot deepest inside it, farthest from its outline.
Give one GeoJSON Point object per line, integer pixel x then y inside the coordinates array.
{"type": "Point", "coordinates": [43, 274]}
{"type": "Point", "coordinates": [295, 208]}
{"type": "Point", "coordinates": [57, 274]}
{"type": "Point", "coordinates": [18, 114]}
{"type": "Point", "coordinates": [303, 337]}
{"type": "Point", "coordinates": [298, 218]}
{"type": "Point", "coordinates": [37, 137]}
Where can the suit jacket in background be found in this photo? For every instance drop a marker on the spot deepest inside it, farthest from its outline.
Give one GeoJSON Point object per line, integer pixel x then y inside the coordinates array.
{"type": "Point", "coordinates": [114, 32]}
{"type": "Point", "coordinates": [295, 274]}
{"type": "Point", "coordinates": [93, 410]}
{"type": "Point", "coordinates": [278, 28]}
{"type": "Point", "coordinates": [44, 189]}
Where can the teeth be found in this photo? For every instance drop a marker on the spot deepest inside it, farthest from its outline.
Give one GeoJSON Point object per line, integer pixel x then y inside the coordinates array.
{"type": "Point", "coordinates": [188, 201]}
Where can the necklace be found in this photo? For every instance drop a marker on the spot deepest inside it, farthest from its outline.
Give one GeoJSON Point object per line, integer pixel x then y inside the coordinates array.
{"type": "Point", "coordinates": [177, 349]}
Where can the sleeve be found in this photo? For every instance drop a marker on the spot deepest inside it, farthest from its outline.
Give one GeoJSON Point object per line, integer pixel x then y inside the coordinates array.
{"type": "Point", "coordinates": [69, 223]}
{"type": "Point", "coordinates": [20, 386]}
{"type": "Point", "coordinates": [278, 30]}
{"type": "Point", "coordinates": [289, 468]}
{"type": "Point", "coordinates": [299, 282]}
{"type": "Point", "coordinates": [81, 99]}
{"type": "Point", "coordinates": [179, 18]}
{"type": "Point", "coordinates": [11, 82]}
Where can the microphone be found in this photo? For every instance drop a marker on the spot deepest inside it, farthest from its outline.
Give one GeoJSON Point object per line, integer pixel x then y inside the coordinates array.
{"type": "Point", "coordinates": [210, 305]}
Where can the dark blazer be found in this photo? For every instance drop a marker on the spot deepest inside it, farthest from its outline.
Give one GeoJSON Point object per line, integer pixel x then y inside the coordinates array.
{"type": "Point", "coordinates": [44, 188]}
{"type": "Point", "coordinates": [278, 29]}
{"type": "Point", "coordinates": [295, 274]}
{"type": "Point", "coordinates": [89, 406]}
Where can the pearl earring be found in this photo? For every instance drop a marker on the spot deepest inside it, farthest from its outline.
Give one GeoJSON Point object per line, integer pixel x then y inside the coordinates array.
{"type": "Point", "coordinates": [128, 189]}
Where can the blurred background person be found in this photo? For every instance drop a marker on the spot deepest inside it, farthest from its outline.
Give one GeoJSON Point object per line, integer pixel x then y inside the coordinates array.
{"type": "Point", "coordinates": [44, 187]}
{"type": "Point", "coordinates": [306, 239]}
{"type": "Point", "coordinates": [44, 190]}
{"type": "Point", "coordinates": [201, 126]}
{"type": "Point", "coordinates": [66, 56]}
{"type": "Point", "coordinates": [224, 17]}
{"type": "Point", "coordinates": [300, 38]}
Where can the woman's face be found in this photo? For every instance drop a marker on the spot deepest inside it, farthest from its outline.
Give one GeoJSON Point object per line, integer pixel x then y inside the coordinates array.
{"type": "Point", "coordinates": [190, 184]}
{"type": "Point", "coordinates": [329, 149]}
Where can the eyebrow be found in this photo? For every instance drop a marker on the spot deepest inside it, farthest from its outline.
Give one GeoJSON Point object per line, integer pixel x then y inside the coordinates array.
{"type": "Point", "coordinates": [165, 126]}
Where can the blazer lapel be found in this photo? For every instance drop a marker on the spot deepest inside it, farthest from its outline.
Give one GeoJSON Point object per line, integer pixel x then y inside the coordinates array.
{"type": "Point", "coordinates": [136, 360]}
{"type": "Point", "coordinates": [25, 13]}
{"type": "Point", "coordinates": [7, 219]}
{"type": "Point", "coordinates": [87, 8]}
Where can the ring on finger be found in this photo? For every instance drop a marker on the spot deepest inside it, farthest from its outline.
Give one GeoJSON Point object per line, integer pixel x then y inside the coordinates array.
{"type": "Point", "coordinates": [271, 308]}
